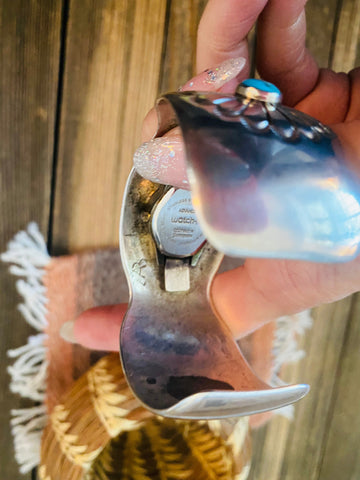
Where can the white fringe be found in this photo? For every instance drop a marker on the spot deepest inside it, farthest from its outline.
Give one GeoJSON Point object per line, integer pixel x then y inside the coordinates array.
{"type": "Point", "coordinates": [28, 255]}
{"type": "Point", "coordinates": [28, 372]}
{"type": "Point", "coordinates": [286, 349]}
{"type": "Point", "coordinates": [27, 426]}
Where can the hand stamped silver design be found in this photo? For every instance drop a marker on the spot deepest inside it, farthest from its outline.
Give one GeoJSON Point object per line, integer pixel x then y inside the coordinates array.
{"type": "Point", "coordinates": [265, 178]}
{"type": "Point", "coordinates": [260, 117]}
{"type": "Point", "coordinates": [137, 270]}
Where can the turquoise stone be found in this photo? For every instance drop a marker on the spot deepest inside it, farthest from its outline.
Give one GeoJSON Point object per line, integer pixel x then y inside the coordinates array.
{"type": "Point", "coordinates": [260, 85]}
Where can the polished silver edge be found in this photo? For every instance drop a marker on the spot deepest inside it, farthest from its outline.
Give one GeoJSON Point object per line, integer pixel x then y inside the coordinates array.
{"type": "Point", "coordinates": [121, 229]}
{"type": "Point", "coordinates": [242, 403]}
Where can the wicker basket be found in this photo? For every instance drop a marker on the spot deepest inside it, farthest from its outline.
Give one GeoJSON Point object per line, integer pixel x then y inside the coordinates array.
{"type": "Point", "coordinates": [100, 431]}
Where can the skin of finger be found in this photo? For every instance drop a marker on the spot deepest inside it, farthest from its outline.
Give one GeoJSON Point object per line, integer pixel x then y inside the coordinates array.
{"type": "Point", "coordinates": [265, 289]}
{"type": "Point", "coordinates": [99, 328]}
{"type": "Point", "coordinates": [260, 419]}
{"type": "Point", "coordinates": [329, 100]}
{"type": "Point", "coordinates": [223, 29]}
{"type": "Point", "coordinates": [162, 160]}
{"type": "Point", "coordinates": [261, 351]}
{"type": "Point", "coordinates": [354, 108]}
{"type": "Point", "coordinates": [282, 57]}
{"type": "Point", "coordinates": [261, 361]}
{"type": "Point", "coordinates": [150, 123]}
{"type": "Point", "coordinates": [336, 101]}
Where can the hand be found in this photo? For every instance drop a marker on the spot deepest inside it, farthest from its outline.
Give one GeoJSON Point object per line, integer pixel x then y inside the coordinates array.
{"type": "Point", "coordinates": [260, 290]}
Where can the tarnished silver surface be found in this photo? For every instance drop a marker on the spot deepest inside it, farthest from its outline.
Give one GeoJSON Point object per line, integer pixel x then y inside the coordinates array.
{"type": "Point", "coordinates": [265, 179]}
{"type": "Point", "coordinates": [179, 359]}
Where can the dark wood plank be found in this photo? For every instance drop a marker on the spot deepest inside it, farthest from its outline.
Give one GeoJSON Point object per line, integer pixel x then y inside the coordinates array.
{"type": "Point", "coordinates": [347, 36]}
{"type": "Point", "coordinates": [29, 60]}
{"type": "Point", "coordinates": [113, 55]}
{"type": "Point", "coordinates": [322, 22]}
{"type": "Point", "coordinates": [180, 43]}
{"type": "Point", "coordinates": [357, 60]}
{"type": "Point", "coordinates": [341, 457]}
{"type": "Point", "coordinates": [299, 443]}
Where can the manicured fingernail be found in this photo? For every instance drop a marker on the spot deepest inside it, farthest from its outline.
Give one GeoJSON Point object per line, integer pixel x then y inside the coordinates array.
{"type": "Point", "coordinates": [228, 70]}
{"type": "Point", "coordinates": [161, 160]}
{"type": "Point", "coordinates": [67, 332]}
{"type": "Point", "coordinates": [215, 78]}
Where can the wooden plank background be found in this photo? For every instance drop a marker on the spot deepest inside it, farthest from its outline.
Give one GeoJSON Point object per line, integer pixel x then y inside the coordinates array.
{"type": "Point", "coordinates": [76, 80]}
{"type": "Point", "coordinates": [30, 44]}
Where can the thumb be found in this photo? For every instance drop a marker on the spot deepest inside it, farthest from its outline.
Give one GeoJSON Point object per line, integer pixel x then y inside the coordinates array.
{"type": "Point", "coordinates": [97, 328]}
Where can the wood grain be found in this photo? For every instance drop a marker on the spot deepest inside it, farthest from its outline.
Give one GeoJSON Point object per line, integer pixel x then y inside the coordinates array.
{"type": "Point", "coordinates": [29, 61]}
{"type": "Point", "coordinates": [357, 60]}
{"type": "Point", "coordinates": [347, 36]}
{"type": "Point", "coordinates": [282, 446]}
{"type": "Point", "coordinates": [322, 20]}
{"type": "Point", "coordinates": [112, 65]}
{"type": "Point", "coordinates": [180, 44]}
{"type": "Point", "coordinates": [341, 457]}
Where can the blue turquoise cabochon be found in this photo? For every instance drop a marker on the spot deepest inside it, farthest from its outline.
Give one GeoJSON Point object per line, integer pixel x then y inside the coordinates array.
{"type": "Point", "coordinates": [260, 85]}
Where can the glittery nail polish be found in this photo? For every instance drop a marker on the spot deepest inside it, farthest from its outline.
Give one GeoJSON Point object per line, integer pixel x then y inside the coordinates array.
{"type": "Point", "coordinates": [217, 77]}
{"type": "Point", "coordinates": [161, 160]}
{"type": "Point", "coordinates": [226, 71]}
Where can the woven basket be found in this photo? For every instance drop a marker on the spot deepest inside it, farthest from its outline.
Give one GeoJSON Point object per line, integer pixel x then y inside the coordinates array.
{"type": "Point", "coordinates": [100, 431]}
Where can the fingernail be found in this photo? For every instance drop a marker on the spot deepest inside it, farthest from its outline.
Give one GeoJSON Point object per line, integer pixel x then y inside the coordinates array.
{"type": "Point", "coordinates": [225, 72]}
{"type": "Point", "coordinates": [216, 77]}
{"type": "Point", "coordinates": [161, 160]}
{"type": "Point", "coordinates": [67, 332]}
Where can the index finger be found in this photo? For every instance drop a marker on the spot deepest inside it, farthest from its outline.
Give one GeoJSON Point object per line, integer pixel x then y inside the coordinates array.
{"type": "Point", "coordinates": [222, 31]}
{"type": "Point", "coordinates": [282, 57]}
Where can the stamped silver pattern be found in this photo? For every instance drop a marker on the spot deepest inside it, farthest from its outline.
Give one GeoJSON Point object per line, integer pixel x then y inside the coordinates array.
{"type": "Point", "coordinates": [261, 117]}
